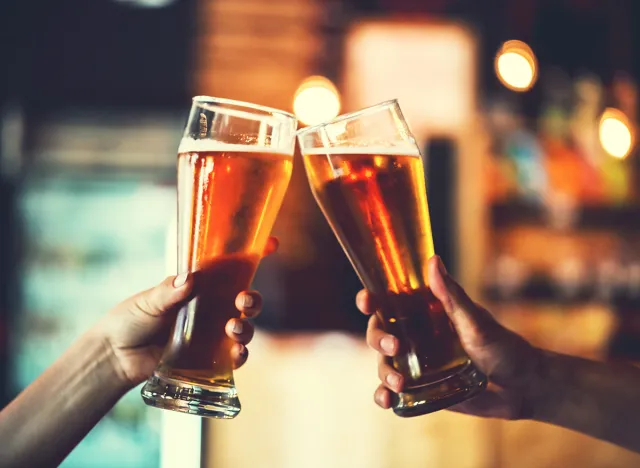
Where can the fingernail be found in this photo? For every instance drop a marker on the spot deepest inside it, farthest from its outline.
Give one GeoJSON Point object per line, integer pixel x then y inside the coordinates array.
{"type": "Point", "coordinates": [442, 268]}
{"type": "Point", "coordinates": [247, 301]}
{"type": "Point", "coordinates": [393, 380]}
{"type": "Point", "coordinates": [180, 280]}
{"type": "Point", "coordinates": [387, 343]}
{"type": "Point", "coordinates": [377, 398]}
{"type": "Point", "coordinates": [237, 327]}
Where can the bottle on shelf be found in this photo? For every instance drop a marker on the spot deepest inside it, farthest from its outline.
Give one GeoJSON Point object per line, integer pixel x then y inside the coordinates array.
{"type": "Point", "coordinates": [584, 134]}
{"type": "Point", "coordinates": [515, 168]}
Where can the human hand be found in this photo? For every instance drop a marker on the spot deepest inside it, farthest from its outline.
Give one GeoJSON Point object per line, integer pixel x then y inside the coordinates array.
{"type": "Point", "coordinates": [510, 363]}
{"type": "Point", "coordinates": [137, 330]}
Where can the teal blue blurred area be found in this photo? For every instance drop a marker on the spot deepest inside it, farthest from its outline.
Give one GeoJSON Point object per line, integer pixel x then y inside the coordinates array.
{"type": "Point", "coordinates": [88, 241]}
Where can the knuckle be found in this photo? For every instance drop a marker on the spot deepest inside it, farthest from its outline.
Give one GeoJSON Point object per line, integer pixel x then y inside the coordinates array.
{"type": "Point", "coordinates": [143, 304]}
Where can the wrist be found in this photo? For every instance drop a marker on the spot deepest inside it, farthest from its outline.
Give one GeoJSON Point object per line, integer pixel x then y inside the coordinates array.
{"type": "Point", "coordinates": [542, 392]}
{"type": "Point", "coordinates": [108, 361]}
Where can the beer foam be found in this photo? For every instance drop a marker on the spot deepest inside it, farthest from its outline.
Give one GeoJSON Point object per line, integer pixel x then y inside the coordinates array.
{"type": "Point", "coordinates": [189, 145]}
{"type": "Point", "coordinates": [403, 150]}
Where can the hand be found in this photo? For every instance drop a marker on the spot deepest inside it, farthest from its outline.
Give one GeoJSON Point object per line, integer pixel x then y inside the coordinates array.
{"type": "Point", "coordinates": [138, 329]}
{"type": "Point", "coordinates": [510, 363]}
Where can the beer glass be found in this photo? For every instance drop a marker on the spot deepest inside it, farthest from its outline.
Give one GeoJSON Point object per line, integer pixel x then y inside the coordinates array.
{"type": "Point", "coordinates": [234, 164]}
{"type": "Point", "coordinates": [366, 173]}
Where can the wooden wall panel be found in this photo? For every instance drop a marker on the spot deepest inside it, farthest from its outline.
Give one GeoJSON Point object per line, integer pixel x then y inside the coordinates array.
{"type": "Point", "coordinates": [257, 51]}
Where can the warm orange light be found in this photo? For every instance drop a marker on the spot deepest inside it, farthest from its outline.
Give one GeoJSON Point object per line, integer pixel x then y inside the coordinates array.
{"type": "Point", "coordinates": [616, 133]}
{"type": "Point", "coordinates": [516, 66]}
{"type": "Point", "coordinates": [316, 100]}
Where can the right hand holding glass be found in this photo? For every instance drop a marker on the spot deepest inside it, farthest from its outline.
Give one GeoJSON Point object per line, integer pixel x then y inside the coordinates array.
{"type": "Point", "coordinates": [511, 364]}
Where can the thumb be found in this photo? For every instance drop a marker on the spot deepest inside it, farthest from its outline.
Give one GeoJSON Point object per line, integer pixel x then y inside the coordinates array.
{"type": "Point", "coordinates": [165, 297]}
{"type": "Point", "coordinates": [474, 324]}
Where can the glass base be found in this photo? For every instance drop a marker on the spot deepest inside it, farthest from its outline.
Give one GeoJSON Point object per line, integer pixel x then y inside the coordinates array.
{"type": "Point", "coordinates": [220, 402]}
{"type": "Point", "coordinates": [464, 384]}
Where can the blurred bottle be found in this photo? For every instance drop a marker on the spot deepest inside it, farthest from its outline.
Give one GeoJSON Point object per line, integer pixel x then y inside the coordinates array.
{"type": "Point", "coordinates": [617, 180]}
{"type": "Point", "coordinates": [562, 211]}
{"type": "Point", "coordinates": [616, 171]}
{"type": "Point", "coordinates": [521, 147]}
{"type": "Point", "coordinates": [501, 178]}
{"type": "Point", "coordinates": [504, 173]}
{"type": "Point", "coordinates": [509, 276]}
{"type": "Point", "coordinates": [570, 277]}
{"type": "Point", "coordinates": [522, 156]}
{"type": "Point", "coordinates": [584, 133]}
{"type": "Point", "coordinates": [563, 164]}
{"type": "Point", "coordinates": [625, 96]}
{"type": "Point", "coordinates": [610, 279]}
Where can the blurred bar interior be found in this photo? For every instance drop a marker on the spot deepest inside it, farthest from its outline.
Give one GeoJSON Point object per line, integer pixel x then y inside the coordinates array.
{"type": "Point", "coordinates": [527, 113]}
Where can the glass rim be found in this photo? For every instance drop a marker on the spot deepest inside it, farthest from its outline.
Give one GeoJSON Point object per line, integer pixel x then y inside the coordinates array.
{"type": "Point", "coordinates": [271, 111]}
{"type": "Point", "coordinates": [347, 116]}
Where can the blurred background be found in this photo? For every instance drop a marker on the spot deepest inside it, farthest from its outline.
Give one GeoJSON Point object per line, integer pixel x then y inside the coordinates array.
{"type": "Point", "coordinates": [527, 115]}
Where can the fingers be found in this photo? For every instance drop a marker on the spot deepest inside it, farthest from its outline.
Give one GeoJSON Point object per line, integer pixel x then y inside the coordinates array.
{"type": "Point", "coordinates": [382, 397]}
{"type": "Point", "coordinates": [272, 246]}
{"type": "Point", "coordinates": [239, 355]}
{"type": "Point", "coordinates": [366, 303]}
{"type": "Point", "coordinates": [240, 331]}
{"type": "Point", "coordinates": [249, 303]}
{"type": "Point", "coordinates": [379, 340]}
{"type": "Point", "coordinates": [386, 345]}
{"type": "Point", "coordinates": [389, 377]}
{"type": "Point", "coordinates": [165, 297]}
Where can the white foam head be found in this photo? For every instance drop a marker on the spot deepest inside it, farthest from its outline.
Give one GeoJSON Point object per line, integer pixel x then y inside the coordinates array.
{"type": "Point", "coordinates": [189, 145]}
{"type": "Point", "coordinates": [401, 150]}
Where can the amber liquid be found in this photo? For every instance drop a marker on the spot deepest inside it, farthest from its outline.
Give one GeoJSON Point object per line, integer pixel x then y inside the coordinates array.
{"type": "Point", "coordinates": [377, 207]}
{"type": "Point", "coordinates": [227, 204]}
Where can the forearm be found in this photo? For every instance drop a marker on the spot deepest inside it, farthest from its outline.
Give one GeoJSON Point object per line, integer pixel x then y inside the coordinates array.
{"type": "Point", "coordinates": [46, 421]}
{"type": "Point", "coordinates": [598, 399]}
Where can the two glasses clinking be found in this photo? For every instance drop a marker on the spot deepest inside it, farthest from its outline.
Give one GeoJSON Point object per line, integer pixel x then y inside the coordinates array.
{"type": "Point", "coordinates": [366, 174]}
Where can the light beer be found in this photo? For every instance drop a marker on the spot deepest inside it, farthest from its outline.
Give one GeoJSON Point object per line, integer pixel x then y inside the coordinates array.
{"type": "Point", "coordinates": [374, 198]}
{"type": "Point", "coordinates": [377, 208]}
{"type": "Point", "coordinates": [234, 165]}
{"type": "Point", "coordinates": [228, 197]}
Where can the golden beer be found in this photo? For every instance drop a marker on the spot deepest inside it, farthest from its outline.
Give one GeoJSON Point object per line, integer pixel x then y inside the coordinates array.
{"type": "Point", "coordinates": [227, 203]}
{"type": "Point", "coordinates": [229, 194]}
{"type": "Point", "coordinates": [378, 209]}
{"type": "Point", "coordinates": [374, 198]}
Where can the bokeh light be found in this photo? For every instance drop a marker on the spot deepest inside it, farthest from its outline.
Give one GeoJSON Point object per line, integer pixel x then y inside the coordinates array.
{"type": "Point", "coordinates": [516, 66]}
{"type": "Point", "coordinates": [316, 100]}
{"type": "Point", "coordinates": [616, 133]}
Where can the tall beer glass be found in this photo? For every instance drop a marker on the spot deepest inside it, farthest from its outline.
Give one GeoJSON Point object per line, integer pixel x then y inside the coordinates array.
{"type": "Point", "coordinates": [366, 173]}
{"type": "Point", "coordinates": [234, 165]}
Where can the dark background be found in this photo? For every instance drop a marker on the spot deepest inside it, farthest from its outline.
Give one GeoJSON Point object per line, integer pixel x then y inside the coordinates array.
{"type": "Point", "coordinates": [103, 52]}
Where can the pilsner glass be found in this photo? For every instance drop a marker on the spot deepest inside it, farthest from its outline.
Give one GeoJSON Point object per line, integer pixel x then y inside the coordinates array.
{"type": "Point", "coordinates": [234, 165]}
{"type": "Point", "coordinates": [366, 173]}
